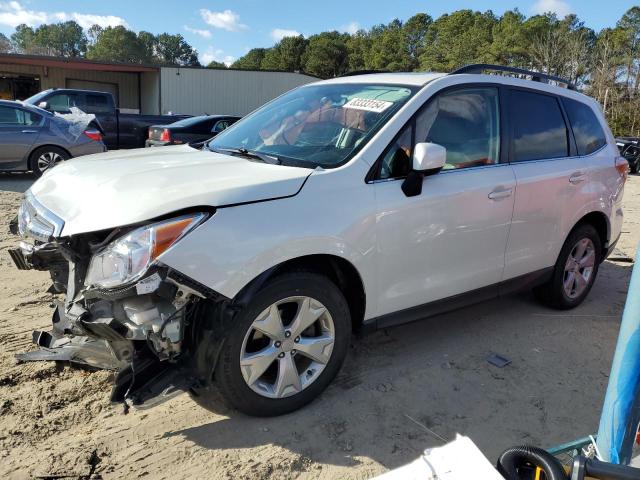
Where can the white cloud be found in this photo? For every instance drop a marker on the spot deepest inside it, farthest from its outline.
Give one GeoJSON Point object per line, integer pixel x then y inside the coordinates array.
{"type": "Point", "coordinates": [216, 54]}
{"type": "Point", "coordinates": [351, 28]}
{"type": "Point", "coordinates": [13, 14]}
{"type": "Point", "coordinates": [226, 20]}
{"type": "Point", "coordinates": [279, 33]}
{"type": "Point", "coordinates": [559, 7]}
{"type": "Point", "coordinates": [195, 31]}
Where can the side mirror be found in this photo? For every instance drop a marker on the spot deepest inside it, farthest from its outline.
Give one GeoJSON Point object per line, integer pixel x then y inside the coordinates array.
{"type": "Point", "coordinates": [428, 159]}
{"type": "Point", "coordinates": [43, 105]}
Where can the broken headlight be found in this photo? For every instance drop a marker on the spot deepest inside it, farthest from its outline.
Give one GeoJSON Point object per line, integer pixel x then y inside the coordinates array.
{"type": "Point", "coordinates": [127, 258]}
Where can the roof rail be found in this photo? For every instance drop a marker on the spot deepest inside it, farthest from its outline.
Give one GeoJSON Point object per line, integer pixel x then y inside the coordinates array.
{"type": "Point", "coordinates": [362, 72]}
{"type": "Point", "coordinates": [535, 76]}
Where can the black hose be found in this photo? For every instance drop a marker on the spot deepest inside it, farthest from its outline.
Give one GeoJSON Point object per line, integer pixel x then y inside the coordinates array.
{"type": "Point", "coordinates": [517, 457]}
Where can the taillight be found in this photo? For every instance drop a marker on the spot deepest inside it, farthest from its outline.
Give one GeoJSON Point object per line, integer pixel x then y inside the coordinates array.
{"type": "Point", "coordinates": [94, 135]}
{"type": "Point", "coordinates": [622, 166]}
{"type": "Point", "coordinates": [165, 136]}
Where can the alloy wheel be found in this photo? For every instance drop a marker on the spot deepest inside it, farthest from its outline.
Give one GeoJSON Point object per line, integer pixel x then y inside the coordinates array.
{"type": "Point", "coordinates": [48, 160]}
{"type": "Point", "coordinates": [287, 347]}
{"type": "Point", "coordinates": [578, 269]}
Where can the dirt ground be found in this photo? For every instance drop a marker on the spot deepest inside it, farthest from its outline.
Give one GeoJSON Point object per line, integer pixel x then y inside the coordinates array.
{"type": "Point", "coordinates": [395, 385]}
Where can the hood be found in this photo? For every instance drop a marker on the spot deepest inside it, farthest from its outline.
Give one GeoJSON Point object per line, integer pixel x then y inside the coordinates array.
{"type": "Point", "coordinates": [119, 188]}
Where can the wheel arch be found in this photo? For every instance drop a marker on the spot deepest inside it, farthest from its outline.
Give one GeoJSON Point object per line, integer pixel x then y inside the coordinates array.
{"type": "Point", "coordinates": [600, 222]}
{"type": "Point", "coordinates": [339, 270]}
{"type": "Point", "coordinates": [45, 145]}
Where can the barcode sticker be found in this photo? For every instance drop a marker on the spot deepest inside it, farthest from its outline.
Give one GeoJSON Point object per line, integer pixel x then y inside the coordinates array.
{"type": "Point", "coordinates": [368, 104]}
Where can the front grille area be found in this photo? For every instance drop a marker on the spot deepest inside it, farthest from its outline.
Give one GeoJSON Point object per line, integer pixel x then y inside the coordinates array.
{"type": "Point", "coordinates": [35, 221]}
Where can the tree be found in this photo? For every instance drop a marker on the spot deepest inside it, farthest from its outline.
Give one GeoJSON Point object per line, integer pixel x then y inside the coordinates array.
{"type": "Point", "coordinates": [23, 38]}
{"type": "Point", "coordinates": [174, 50]}
{"type": "Point", "coordinates": [509, 44]}
{"type": "Point", "coordinates": [389, 50]}
{"type": "Point", "coordinates": [93, 33]}
{"type": "Point", "coordinates": [326, 55]}
{"type": "Point", "coordinates": [5, 44]}
{"type": "Point", "coordinates": [630, 25]}
{"type": "Point", "coordinates": [215, 64]}
{"type": "Point", "coordinates": [251, 61]}
{"type": "Point", "coordinates": [149, 44]}
{"type": "Point", "coordinates": [457, 39]}
{"type": "Point", "coordinates": [286, 55]}
{"type": "Point", "coordinates": [358, 46]}
{"type": "Point", "coordinates": [117, 44]}
{"type": "Point", "coordinates": [415, 33]}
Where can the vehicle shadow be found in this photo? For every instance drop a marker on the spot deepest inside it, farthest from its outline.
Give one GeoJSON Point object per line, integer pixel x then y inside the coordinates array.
{"type": "Point", "coordinates": [407, 388]}
{"type": "Point", "coordinates": [16, 182]}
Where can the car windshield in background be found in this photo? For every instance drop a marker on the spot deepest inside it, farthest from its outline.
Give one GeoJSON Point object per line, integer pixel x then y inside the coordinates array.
{"type": "Point", "coordinates": [323, 125]}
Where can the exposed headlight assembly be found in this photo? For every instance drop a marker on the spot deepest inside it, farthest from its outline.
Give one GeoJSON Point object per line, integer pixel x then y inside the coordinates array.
{"type": "Point", "coordinates": [127, 258]}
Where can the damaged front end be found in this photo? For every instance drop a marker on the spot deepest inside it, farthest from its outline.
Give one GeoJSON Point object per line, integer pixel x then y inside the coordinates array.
{"type": "Point", "coordinates": [123, 309]}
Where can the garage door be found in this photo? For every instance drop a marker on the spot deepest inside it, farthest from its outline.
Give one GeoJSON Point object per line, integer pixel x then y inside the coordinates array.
{"type": "Point", "coordinates": [111, 88]}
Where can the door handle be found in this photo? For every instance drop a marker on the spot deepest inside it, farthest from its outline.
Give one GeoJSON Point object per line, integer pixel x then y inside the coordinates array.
{"type": "Point", "coordinates": [500, 193]}
{"type": "Point", "coordinates": [577, 177]}
{"type": "Point", "coordinates": [29, 131]}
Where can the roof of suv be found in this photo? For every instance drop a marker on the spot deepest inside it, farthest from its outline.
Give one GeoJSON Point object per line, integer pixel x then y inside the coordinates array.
{"type": "Point", "coordinates": [410, 78]}
{"type": "Point", "coordinates": [420, 79]}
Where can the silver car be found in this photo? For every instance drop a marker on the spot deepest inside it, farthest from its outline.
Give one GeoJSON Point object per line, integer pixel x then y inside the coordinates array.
{"type": "Point", "coordinates": [34, 139]}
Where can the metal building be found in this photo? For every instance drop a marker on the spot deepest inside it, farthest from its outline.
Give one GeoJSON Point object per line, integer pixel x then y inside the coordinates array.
{"type": "Point", "coordinates": [148, 89]}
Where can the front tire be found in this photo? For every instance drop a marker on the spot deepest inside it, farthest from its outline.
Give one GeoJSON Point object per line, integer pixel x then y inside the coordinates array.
{"type": "Point", "coordinates": [44, 158]}
{"type": "Point", "coordinates": [575, 270]}
{"type": "Point", "coordinates": [285, 346]}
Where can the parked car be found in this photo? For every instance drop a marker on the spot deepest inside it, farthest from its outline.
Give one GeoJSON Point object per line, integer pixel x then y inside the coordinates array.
{"type": "Point", "coordinates": [189, 130]}
{"type": "Point", "coordinates": [630, 149]}
{"type": "Point", "coordinates": [121, 130]}
{"type": "Point", "coordinates": [32, 139]}
{"type": "Point", "coordinates": [353, 203]}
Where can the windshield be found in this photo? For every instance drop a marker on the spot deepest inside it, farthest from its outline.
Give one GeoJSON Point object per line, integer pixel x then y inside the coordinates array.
{"type": "Point", "coordinates": [318, 125]}
{"type": "Point", "coordinates": [34, 99]}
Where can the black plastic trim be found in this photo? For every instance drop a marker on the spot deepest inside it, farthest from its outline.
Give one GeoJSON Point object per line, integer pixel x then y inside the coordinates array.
{"type": "Point", "coordinates": [462, 300]}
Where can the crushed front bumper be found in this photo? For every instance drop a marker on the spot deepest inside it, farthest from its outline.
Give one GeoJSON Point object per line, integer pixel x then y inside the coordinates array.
{"type": "Point", "coordinates": [56, 345]}
{"type": "Point", "coordinates": [149, 337]}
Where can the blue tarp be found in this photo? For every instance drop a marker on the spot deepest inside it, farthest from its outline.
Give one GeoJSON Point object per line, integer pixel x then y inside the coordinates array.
{"type": "Point", "coordinates": [621, 409]}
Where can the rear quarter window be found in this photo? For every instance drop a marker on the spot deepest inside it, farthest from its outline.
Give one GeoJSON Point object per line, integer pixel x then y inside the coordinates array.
{"type": "Point", "coordinates": [586, 127]}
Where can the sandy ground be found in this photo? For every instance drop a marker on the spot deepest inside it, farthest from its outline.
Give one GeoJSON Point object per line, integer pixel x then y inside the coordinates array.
{"type": "Point", "coordinates": [431, 374]}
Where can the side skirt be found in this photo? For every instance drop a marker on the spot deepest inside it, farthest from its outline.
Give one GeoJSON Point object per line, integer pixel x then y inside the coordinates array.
{"type": "Point", "coordinates": [455, 302]}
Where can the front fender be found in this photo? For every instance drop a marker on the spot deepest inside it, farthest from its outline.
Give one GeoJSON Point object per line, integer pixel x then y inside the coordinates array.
{"type": "Point", "coordinates": [238, 244]}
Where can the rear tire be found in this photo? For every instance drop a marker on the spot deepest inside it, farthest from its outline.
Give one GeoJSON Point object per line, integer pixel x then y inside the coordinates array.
{"type": "Point", "coordinates": [268, 368]}
{"type": "Point", "coordinates": [575, 270]}
{"type": "Point", "coordinates": [633, 168]}
{"type": "Point", "coordinates": [44, 158]}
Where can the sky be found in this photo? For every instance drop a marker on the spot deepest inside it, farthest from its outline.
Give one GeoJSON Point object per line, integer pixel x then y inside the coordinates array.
{"type": "Point", "coordinates": [224, 31]}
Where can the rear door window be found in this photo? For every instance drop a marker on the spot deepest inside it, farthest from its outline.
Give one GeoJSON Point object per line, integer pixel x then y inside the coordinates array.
{"type": "Point", "coordinates": [97, 103]}
{"type": "Point", "coordinates": [15, 116]}
{"type": "Point", "coordinates": [586, 127]}
{"type": "Point", "coordinates": [9, 116]}
{"type": "Point", "coordinates": [539, 129]}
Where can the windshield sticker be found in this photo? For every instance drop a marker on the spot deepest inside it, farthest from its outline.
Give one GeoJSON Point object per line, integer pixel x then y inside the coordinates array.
{"type": "Point", "coordinates": [367, 104]}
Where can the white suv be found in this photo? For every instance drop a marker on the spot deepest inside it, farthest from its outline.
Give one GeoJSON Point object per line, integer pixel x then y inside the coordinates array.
{"type": "Point", "coordinates": [358, 202]}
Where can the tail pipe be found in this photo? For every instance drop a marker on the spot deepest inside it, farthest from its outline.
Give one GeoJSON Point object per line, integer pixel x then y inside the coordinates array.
{"type": "Point", "coordinates": [517, 457]}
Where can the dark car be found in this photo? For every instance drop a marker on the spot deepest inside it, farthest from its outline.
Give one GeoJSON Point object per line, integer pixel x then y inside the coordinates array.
{"type": "Point", "coordinates": [121, 130]}
{"type": "Point", "coordinates": [189, 130]}
{"type": "Point", "coordinates": [34, 139]}
{"type": "Point", "coordinates": [630, 149]}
